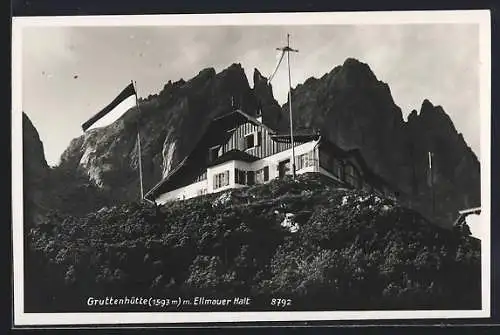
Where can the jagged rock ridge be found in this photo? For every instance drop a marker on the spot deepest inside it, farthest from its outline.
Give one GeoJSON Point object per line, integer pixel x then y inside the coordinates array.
{"type": "Point", "coordinates": [171, 123]}
{"type": "Point", "coordinates": [357, 110]}
{"type": "Point", "coordinates": [349, 104]}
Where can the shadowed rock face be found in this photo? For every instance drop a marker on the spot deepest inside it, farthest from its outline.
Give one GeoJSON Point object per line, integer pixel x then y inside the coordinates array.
{"type": "Point", "coordinates": [45, 188]}
{"type": "Point", "coordinates": [35, 168]}
{"type": "Point", "coordinates": [35, 165]}
{"type": "Point", "coordinates": [349, 104]}
{"type": "Point", "coordinates": [357, 111]}
{"type": "Point", "coordinates": [171, 123]}
{"type": "Point", "coordinates": [456, 169]}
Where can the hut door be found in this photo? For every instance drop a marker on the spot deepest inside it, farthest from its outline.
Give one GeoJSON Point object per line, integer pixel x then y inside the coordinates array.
{"type": "Point", "coordinates": [283, 167]}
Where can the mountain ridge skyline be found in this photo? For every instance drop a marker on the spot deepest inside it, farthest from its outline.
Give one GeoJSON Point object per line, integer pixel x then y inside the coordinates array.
{"type": "Point", "coordinates": [435, 61]}
{"type": "Point", "coordinates": [250, 79]}
{"type": "Point", "coordinates": [350, 106]}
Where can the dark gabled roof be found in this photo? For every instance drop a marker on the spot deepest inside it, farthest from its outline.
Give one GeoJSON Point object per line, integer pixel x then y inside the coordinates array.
{"type": "Point", "coordinates": [217, 133]}
{"type": "Point", "coordinates": [356, 154]}
{"type": "Point", "coordinates": [334, 148]}
{"type": "Point", "coordinates": [240, 115]}
{"type": "Point", "coordinates": [236, 155]}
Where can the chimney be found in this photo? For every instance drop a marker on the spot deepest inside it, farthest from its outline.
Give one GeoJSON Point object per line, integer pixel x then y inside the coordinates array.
{"type": "Point", "coordinates": [259, 115]}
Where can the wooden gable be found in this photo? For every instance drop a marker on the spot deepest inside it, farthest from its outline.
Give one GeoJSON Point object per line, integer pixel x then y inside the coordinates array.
{"type": "Point", "coordinates": [263, 145]}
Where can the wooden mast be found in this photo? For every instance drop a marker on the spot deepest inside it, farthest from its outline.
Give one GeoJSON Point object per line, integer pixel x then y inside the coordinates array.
{"type": "Point", "coordinates": [287, 49]}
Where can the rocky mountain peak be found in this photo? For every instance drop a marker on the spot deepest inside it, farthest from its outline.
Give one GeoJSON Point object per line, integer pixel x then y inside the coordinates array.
{"type": "Point", "coordinates": [412, 116]}
{"type": "Point", "coordinates": [271, 110]}
{"type": "Point", "coordinates": [354, 72]}
{"type": "Point", "coordinates": [207, 73]}
{"type": "Point", "coordinates": [233, 71]}
{"type": "Point", "coordinates": [259, 79]}
{"type": "Point", "coordinates": [426, 106]}
{"type": "Point", "coordinates": [435, 120]}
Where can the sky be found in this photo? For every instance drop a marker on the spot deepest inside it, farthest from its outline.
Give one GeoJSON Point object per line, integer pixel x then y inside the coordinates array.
{"type": "Point", "coordinates": [70, 73]}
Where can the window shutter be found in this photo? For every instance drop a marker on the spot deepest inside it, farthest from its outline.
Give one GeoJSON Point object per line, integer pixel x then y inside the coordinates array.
{"type": "Point", "coordinates": [215, 181]}
{"type": "Point", "coordinates": [250, 141]}
{"type": "Point", "coordinates": [241, 177]}
{"type": "Point", "coordinates": [236, 179]}
{"type": "Point", "coordinates": [227, 178]}
{"type": "Point", "coordinates": [250, 177]}
{"type": "Point", "coordinates": [266, 173]}
{"type": "Point", "coordinates": [259, 138]}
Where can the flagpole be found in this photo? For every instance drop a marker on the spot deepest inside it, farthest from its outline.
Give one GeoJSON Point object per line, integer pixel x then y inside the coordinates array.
{"type": "Point", "coordinates": [290, 103]}
{"type": "Point", "coordinates": [287, 49]}
{"type": "Point", "coordinates": [432, 184]}
{"type": "Point", "coordinates": [139, 141]}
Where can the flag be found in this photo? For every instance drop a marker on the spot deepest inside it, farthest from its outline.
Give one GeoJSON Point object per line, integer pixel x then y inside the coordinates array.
{"type": "Point", "coordinates": [112, 112]}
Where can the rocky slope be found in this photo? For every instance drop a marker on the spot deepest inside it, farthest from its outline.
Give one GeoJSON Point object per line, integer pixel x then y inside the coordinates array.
{"type": "Point", "coordinates": [349, 104]}
{"type": "Point", "coordinates": [348, 250]}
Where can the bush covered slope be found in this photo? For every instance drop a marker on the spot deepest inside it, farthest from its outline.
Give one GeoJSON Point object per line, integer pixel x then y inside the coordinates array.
{"type": "Point", "coordinates": [352, 250]}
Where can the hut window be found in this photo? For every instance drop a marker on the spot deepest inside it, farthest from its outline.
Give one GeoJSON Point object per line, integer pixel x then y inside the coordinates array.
{"type": "Point", "coordinates": [304, 160]}
{"type": "Point", "coordinates": [337, 168]}
{"type": "Point", "coordinates": [252, 140]}
{"type": "Point", "coordinates": [221, 179]}
{"type": "Point", "coordinates": [249, 141]}
{"type": "Point", "coordinates": [240, 176]}
{"type": "Point", "coordinates": [262, 175]}
{"type": "Point", "coordinates": [201, 177]}
{"type": "Point", "coordinates": [259, 176]}
{"type": "Point", "coordinates": [213, 153]}
{"type": "Point", "coordinates": [351, 176]}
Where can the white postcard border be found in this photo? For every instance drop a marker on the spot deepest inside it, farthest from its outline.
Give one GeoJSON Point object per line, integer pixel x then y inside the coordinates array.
{"type": "Point", "coordinates": [480, 17]}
